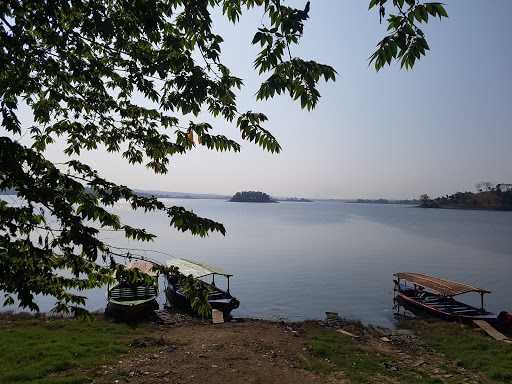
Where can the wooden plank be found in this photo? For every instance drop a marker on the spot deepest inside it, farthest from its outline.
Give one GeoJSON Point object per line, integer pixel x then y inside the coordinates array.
{"type": "Point", "coordinates": [347, 333]}
{"type": "Point", "coordinates": [490, 330]}
{"type": "Point", "coordinates": [217, 316]}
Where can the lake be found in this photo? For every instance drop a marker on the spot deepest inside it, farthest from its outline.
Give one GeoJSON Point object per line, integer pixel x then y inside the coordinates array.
{"type": "Point", "coordinates": [295, 261]}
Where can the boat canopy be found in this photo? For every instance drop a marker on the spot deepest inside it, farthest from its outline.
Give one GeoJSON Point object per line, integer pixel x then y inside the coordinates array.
{"type": "Point", "coordinates": [440, 286]}
{"type": "Point", "coordinates": [194, 268]}
{"type": "Point", "coordinates": [143, 266]}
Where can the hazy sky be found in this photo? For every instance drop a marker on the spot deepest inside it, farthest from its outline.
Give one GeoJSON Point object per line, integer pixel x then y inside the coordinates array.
{"type": "Point", "coordinates": [437, 129]}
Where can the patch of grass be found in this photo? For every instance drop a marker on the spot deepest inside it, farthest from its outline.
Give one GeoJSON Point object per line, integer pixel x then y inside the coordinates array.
{"type": "Point", "coordinates": [469, 348]}
{"type": "Point", "coordinates": [60, 351]}
{"type": "Point", "coordinates": [330, 352]}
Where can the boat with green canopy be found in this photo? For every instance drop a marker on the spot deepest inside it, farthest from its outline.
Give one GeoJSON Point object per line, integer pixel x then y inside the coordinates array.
{"type": "Point", "coordinates": [128, 299]}
{"type": "Point", "coordinates": [219, 299]}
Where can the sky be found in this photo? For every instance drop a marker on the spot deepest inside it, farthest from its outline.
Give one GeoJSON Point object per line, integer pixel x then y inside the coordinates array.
{"type": "Point", "coordinates": [437, 129]}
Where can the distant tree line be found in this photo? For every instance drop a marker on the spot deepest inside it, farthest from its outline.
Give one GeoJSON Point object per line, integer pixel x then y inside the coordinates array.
{"type": "Point", "coordinates": [296, 200]}
{"type": "Point", "coordinates": [488, 196]}
{"type": "Point", "coordinates": [8, 191]}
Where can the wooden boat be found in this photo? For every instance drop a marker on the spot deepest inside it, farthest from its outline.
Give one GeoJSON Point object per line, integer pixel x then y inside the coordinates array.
{"type": "Point", "coordinates": [219, 299]}
{"type": "Point", "coordinates": [126, 299]}
{"type": "Point", "coordinates": [436, 296]}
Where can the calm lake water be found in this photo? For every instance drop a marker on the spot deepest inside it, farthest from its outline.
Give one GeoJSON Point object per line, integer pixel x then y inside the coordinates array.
{"type": "Point", "coordinates": [297, 260]}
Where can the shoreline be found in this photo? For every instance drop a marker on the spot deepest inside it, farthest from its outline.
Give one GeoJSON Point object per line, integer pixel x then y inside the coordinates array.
{"type": "Point", "coordinates": [468, 209]}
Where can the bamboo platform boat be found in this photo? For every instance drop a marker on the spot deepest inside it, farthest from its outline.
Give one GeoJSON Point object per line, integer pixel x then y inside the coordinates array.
{"type": "Point", "coordinates": [436, 296]}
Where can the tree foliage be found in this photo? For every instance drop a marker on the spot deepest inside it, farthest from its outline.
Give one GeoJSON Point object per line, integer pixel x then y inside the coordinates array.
{"type": "Point", "coordinates": [406, 42]}
{"type": "Point", "coordinates": [485, 186]}
{"type": "Point", "coordinates": [130, 77]}
{"type": "Point", "coordinates": [490, 199]}
{"type": "Point", "coordinates": [252, 197]}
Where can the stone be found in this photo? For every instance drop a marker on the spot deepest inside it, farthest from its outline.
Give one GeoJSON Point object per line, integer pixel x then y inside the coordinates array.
{"type": "Point", "coordinates": [418, 363]}
{"type": "Point", "coordinates": [169, 348]}
{"type": "Point", "coordinates": [402, 332]}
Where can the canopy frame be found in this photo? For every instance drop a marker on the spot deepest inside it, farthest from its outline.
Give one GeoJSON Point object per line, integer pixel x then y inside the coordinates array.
{"type": "Point", "coordinates": [198, 270]}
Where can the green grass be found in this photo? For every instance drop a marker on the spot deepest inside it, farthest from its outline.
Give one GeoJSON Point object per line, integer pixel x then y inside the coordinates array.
{"type": "Point", "coordinates": [329, 352]}
{"type": "Point", "coordinates": [60, 351]}
{"type": "Point", "coordinates": [469, 348]}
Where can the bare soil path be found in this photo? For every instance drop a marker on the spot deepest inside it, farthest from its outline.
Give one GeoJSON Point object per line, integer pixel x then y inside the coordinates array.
{"type": "Point", "coordinates": [249, 352]}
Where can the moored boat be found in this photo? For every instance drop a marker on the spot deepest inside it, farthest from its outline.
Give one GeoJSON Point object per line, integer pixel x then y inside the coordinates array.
{"type": "Point", "coordinates": [218, 298]}
{"type": "Point", "coordinates": [436, 296]}
{"type": "Point", "coordinates": [133, 300]}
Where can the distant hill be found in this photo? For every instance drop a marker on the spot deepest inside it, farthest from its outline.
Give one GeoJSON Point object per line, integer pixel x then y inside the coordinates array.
{"type": "Point", "coordinates": [295, 199]}
{"type": "Point", "coordinates": [188, 195]}
{"type": "Point", "coordinates": [490, 200]}
{"type": "Point", "coordinates": [159, 194]}
{"type": "Point", "coordinates": [252, 197]}
{"type": "Point", "coordinates": [7, 192]}
{"type": "Point", "coordinates": [180, 195]}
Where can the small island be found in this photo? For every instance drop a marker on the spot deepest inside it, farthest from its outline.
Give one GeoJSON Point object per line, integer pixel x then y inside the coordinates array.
{"type": "Point", "coordinates": [252, 197]}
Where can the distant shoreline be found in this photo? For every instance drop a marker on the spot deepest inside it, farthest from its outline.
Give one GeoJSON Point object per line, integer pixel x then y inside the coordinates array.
{"type": "Point", "coordinates": [468, 209]}
{"type": "Point", "coordinates": [490, 200]}
{"type": "Point", "coordinates": [383, 201]}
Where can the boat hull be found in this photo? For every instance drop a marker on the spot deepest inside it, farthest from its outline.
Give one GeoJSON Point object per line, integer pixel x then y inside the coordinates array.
{"type": "Point", "coordinates": [223, 302]}
{"type": "Point", "coordinates": [131, 301]}
{"type": "Point", "coordinates": [125, 310]}
{"type": "Point", "coordinates": [445, 308]}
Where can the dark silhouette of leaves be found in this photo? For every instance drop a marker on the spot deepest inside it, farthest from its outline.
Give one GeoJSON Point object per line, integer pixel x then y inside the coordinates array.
{"type": "Point", "coordinates": [405, 42]}
{"type": "Point", "coordinates": [123, 76]}
{"type": "Point", "coordinates": [132, 77]}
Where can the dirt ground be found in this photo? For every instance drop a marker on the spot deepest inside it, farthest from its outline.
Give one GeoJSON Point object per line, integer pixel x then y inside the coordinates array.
{"type": "Point", "coordinates": [177, 348]}
{"type": "Point", "coordinates": [255, 351]}
{"type": "Point", "coordinates": [237, 352]}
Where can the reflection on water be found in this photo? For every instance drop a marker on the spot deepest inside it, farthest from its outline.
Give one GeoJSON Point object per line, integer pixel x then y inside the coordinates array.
{"type": "Point", "coordinates": [299, 260]}
{"type": "Point", "coordinates": [403, 311]}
